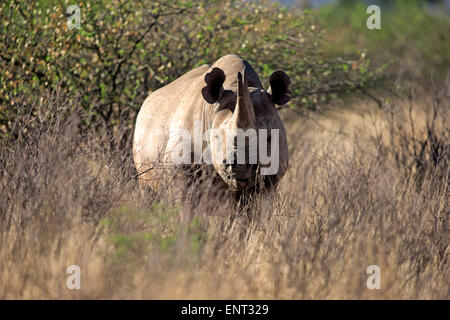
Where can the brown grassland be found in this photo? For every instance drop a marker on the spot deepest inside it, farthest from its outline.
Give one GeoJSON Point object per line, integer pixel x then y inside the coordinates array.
{"type": "Point", "coordinates": [366, 186]}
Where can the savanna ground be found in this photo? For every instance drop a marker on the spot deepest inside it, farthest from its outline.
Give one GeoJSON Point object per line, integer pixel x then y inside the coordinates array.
{"type": "Point", "coordinates": [367, 184]}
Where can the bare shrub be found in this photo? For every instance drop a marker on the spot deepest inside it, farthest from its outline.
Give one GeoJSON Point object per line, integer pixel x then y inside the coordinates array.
{"type": "Point", "coordinates": [417, 136]}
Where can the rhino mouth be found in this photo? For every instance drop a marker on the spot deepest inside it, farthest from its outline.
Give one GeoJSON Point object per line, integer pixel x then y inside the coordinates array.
{"type": "Point", "coordinates": [243, 184]}
{"type": "Point", "coordinates": [240, 177]}
{"type": "Point", "coordinates": [240, 185]}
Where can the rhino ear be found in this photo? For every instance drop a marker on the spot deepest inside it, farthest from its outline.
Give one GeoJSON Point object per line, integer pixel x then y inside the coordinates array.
{"type": "Point", "coordinates": [279, 87]}
{"type": "Point", "coordinates": [214, 81]}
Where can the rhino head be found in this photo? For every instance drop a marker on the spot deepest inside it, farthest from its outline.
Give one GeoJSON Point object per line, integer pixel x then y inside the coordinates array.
{"type": "Point", "coordinates": [247, 139]}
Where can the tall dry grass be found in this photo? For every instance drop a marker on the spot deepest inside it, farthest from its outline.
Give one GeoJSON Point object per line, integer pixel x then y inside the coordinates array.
{"type": "Point", "coordinates": [71, 196]}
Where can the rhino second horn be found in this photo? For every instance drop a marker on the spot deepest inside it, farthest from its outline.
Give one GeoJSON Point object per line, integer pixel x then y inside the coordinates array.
{"type": "Point", "coordinates": [244, 115]}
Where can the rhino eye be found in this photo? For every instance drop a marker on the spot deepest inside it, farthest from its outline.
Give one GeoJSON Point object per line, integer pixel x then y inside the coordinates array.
{"type": "Point", "coordinates": [228, 101]}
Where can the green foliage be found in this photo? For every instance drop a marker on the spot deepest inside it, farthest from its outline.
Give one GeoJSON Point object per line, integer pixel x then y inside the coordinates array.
{"type": "Point", "coordinates": [412, 35]}
{"type": "Point", "coordinates": [133, 231]}
{"type": "Point", "coordinates": [198, 235]}
{"type": "Point", "coordinates": [124, 50]}
{"type": "Point", "coordinates": [134, 234]}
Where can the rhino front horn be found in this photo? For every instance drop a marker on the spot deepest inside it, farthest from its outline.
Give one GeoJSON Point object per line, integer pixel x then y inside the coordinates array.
{"type": "Point", "coordinates": [244, 115]}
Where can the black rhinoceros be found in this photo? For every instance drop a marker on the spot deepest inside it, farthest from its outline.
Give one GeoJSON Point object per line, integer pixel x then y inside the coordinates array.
{"type": "Point", "coordinates": [219, 116]}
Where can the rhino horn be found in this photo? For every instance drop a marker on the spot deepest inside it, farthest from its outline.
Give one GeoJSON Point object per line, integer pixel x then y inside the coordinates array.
{"type": "Point", "coordinates": [244, 114]}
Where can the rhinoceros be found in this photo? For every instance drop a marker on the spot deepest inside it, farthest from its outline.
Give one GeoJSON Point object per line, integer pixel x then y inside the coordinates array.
{"type": "Point", "coordinates": [212, 105]}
